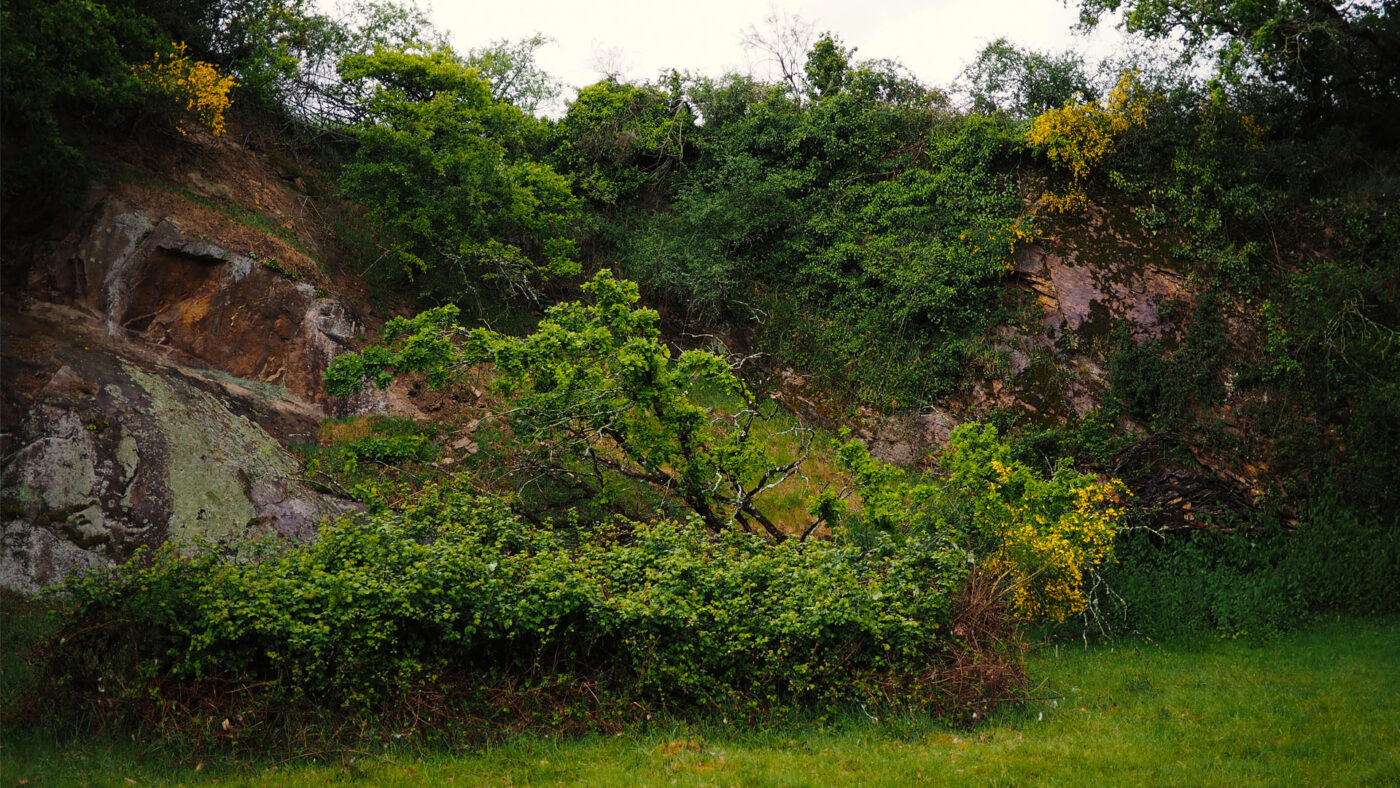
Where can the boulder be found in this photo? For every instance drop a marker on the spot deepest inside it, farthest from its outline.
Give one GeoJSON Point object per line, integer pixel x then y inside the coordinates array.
{"type": "Point", "coordinates": [163, 356]}
{"type": "Point", "coordinates": [109, 448]}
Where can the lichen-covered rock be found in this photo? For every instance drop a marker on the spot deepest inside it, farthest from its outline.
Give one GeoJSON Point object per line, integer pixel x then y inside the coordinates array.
{"type": "Point", "coordinates": [162, 349]}
{"type": "Point", "coordinates": [110, 448]}
{"type": "Point", "coordinates": [35, 558]}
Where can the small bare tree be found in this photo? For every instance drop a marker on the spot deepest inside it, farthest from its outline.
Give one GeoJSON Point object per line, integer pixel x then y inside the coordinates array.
{"type": "Point", "coordinates": [608, 61]}
{"type": "Point", "coordinates": [783, 43]}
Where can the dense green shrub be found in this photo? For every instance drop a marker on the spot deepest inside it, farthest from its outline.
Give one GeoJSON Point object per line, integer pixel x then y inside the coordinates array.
{"type": "Point", "coordinates": [1252, 583]}
{"type": "Point", "coordinates": [618, 139]}
{"type": "Point", "coordinates": [378, 461]}
{"type": "Point", "coordinates": [458, 589]}
{"type": "Point", "coordinates": [450, 176]}
{"type": "Point", "coordinates": [1092, 441]}
{"type": "Point", "coordinates": [1333, 377]}
{"type": "Point", "coordinates": [66, 71]}
{"type": "Point", "coordinates": [1162, 386]}
{"type": "Point", "coordinates": [897, 277]}
{"type": "Point", "coordinates": [863, 226]}
{"type": "Point", "coordinates": [1205, 581]}
{"type": "Point", "coordinates": [1039, 537]}
{"type": "Point", "coordinates": [391, 450]}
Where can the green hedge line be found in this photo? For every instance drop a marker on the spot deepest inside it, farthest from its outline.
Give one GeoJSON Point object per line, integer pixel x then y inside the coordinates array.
{"type": "Point", "coordinates": [458, 587]}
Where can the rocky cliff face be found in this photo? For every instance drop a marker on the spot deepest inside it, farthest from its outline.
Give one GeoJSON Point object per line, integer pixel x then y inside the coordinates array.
{"type": "Point", "coordinates": [1075, 283]}
{"type": "Point", "coordinates": [111, 447]}
{"type": "Point", "coordinates": [1087, 274]}
{"type": "Point", "coordinates": [141, 276]}
{"type": "Point", "coordinates": [167, 345]}
{"type": "Point", "coordinates": [163, 354]}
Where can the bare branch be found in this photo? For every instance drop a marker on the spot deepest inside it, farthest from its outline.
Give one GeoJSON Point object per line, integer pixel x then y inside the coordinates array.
{"type": "Point", "coordinates": [783, 44]}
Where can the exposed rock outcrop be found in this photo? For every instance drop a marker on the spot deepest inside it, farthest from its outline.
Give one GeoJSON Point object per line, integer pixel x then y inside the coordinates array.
{"type": "Point", "coordinates": [1079, 281]}
{"type": "Point", "coordinates": [109, 448]}
{"type": "Point", "coordinates": [146, 280]}
{"type": "Point", "coordinates": [165, 352]}
{"type": "Point", "coordinates": [1085, 277]}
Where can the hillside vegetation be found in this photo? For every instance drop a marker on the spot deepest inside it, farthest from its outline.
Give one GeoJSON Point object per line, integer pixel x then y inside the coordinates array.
{"type": "Point", "coordinates": [679, 308]}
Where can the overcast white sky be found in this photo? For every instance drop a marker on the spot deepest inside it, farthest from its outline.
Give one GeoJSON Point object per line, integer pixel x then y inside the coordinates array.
{"type": "Point", "coordinates": [933, 38]}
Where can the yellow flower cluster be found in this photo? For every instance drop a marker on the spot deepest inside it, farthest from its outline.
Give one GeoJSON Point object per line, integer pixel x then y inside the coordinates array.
{"type": "Point", "coordinates": [196, 87]}
{"type": "Point", "coordinates": [1049, 538]}
{"type": "Point", "coordinates": [1080, 135]}
{"type": "Point", "coordinates": [1011, 236]}
{"type": "Point", "coordinates": [1254, 132]}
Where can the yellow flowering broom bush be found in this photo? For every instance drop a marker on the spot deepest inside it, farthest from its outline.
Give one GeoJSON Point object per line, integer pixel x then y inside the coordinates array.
{"type": "Point", "coordinates": [1041, 535]}
{"type": "Point", "coordinates": [1038, 537]}
{"type": "Point", "coordinates": [197, 89]}
{"type": "Point", "coordinates": [1079, 135]}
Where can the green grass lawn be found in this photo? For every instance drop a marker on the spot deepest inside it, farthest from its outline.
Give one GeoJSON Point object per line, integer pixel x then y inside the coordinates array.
{"type": "Point", "coordinates": [1320, 706]}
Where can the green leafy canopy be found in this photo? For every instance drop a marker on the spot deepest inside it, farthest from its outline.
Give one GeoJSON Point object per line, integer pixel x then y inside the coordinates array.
{"type": "Point", "coordinates": [448, 173]}
{"type": "Point", "coordinates": [595, 384]}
